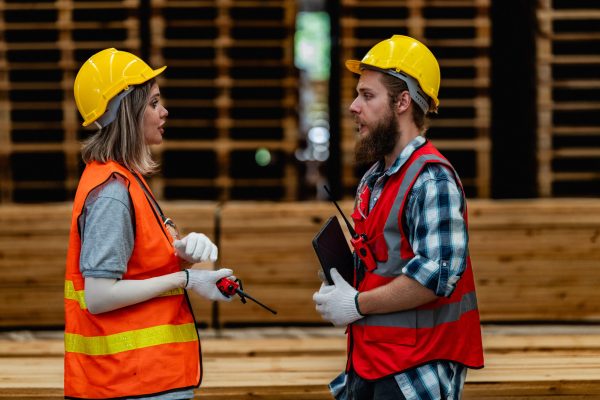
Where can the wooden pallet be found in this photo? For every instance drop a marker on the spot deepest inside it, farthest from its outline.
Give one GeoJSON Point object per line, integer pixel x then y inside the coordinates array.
{"type": "Point", "coordinates": [568, 146]}
{"type": "Point", "coordinates": [44, 43]}
{"type": "Point", "coordinates": [231, 89]}
{"type": "Point", "coordinates": [521, 362]}
{"type": "Point", "coordinates": [458, 33]}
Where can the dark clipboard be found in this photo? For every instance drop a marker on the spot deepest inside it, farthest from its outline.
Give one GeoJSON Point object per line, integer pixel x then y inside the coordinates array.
{"type": "Point", "coordinates": [333, 251]}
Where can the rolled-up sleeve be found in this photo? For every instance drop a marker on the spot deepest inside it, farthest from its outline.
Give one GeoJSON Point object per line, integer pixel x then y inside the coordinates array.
{"type": "Point", "coordinates": [436, 231]}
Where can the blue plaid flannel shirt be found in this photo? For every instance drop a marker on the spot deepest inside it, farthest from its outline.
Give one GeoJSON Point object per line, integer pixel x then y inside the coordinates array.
{"type": "Point", "coordinates": [437, 231]}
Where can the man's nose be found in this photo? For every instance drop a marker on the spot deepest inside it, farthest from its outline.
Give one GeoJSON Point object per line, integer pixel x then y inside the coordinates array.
{"type": "Point", "coordinates": [354, 108]}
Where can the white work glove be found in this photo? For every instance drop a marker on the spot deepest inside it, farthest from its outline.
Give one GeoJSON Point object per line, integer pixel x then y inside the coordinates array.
{"type": "Point", "coordinates": [204, 282]}
{"type": "Point", "coordinates": [337, 303]}
{"type": "Point", "coordinates": [196, 247]}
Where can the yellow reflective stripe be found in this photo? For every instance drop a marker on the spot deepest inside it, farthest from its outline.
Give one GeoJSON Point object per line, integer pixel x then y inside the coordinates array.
{"type": "Point", "coordinates": [79, 295]}
{"type": "Point", "coordinates": [172, 292]}
{"type": "Point", "coordinates": [130, 340]}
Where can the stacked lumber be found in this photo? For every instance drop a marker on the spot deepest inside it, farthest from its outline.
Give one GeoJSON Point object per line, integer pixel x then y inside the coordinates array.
{"type": "Point", "coordinates": [33, 248]}
{"type": "Point", "coordinates": [276, 364]}
{"type": "Point", "coordinates": [534, 260]}
{"type": "Point", "coordinates": [269, 247]}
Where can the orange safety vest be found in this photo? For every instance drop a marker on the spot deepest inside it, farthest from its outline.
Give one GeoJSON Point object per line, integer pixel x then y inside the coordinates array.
{"type": "Point", "coordinates": [444, 329]}
{"type": "Point", "coordinates": [143, 349]}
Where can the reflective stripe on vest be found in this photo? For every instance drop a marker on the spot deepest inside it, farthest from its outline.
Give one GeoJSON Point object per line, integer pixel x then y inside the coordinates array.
{"type": "Point", "coordinates": [427, 318]}
{"type": "Point", "coordinates": [392, 267]}
{"type": "Point", "coordinates": [79, 295]}
{"type": "Point", "coordinates": [130, 340]}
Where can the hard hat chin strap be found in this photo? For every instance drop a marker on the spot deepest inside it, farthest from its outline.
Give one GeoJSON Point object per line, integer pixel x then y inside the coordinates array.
{"type": "Point", "coordinates": [112, 108]}
{"type": "Point", "coordinates": [414, 89]}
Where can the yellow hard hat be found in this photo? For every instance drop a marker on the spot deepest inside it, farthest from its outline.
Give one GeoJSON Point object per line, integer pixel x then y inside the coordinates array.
{"type": "Point", "coordinates": [103, 76]}
{"type": "Point", "coordinates": [404, 55]}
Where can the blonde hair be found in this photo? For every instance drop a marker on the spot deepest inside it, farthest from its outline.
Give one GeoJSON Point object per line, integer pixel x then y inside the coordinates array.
{"type": "Point", "coordinates": [123, 139]}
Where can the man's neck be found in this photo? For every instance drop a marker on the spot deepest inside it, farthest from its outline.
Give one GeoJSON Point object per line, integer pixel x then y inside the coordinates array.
{"type": "Point", "coordinates": [404, 138]}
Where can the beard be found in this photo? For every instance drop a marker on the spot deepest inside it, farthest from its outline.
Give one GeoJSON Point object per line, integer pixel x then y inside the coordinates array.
{"type": "Point", "coordinates": [378, 143]}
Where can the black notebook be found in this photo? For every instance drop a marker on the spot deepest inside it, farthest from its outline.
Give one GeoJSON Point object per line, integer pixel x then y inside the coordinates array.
{"type": "Point", "coordinates": [333, 251]}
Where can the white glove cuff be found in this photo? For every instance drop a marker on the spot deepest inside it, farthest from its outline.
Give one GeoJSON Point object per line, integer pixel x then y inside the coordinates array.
{"type": "Point", "coordinates": [349, 309]}
{"type": "Point", "coordinates": [356, 304]}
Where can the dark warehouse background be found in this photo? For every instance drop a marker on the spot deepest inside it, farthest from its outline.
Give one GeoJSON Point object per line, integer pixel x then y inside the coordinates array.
{"type": "Point", "coordinates": [519, 95]}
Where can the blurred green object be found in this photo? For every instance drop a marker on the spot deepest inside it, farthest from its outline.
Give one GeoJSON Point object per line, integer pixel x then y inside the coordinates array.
{"type": "Point", "coordinates": [313, 43]}
{"type": "Point", "coordinates": [262, 157]}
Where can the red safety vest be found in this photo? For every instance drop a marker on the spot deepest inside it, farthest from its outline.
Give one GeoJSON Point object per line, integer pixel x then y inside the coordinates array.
{"type": "Point", "coordinates": [444, 329]}
{"type": "Point", "coordinates": [143, 349]}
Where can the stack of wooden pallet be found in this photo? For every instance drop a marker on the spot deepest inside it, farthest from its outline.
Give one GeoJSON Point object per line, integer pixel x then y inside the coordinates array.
{"type": "Point", "coordinates": [458, 33]}
{"type": "Point", "coordinates": [568, 100]}
{"type": "Point", "coordinates": [43, 44]}
{"type": "Point", "coordinates": [231, 88]}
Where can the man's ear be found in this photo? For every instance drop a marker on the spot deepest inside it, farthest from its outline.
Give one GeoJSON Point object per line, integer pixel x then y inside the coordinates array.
{"type": "Point", "coordinates": [403, 102]}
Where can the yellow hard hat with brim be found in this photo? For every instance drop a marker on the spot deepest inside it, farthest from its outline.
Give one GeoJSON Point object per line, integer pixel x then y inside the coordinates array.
{"type": "Point", "coordinates": [403, 54]}
{"type": "Point", "coordinates": [104, 76]}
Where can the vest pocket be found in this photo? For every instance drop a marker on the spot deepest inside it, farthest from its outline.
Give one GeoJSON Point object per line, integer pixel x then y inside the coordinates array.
{"type": "Point", "coordinates": [400, 329]}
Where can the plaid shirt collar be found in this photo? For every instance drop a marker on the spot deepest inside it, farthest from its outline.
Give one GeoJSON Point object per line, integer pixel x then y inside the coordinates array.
{"type": "Point", "coordinates": [376, 177]}
{"type": "Point", "coordinates": [376, 172]}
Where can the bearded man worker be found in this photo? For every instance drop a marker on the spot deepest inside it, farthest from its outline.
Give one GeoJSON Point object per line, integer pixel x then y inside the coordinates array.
{"type": "Point", "coordinates": [412, 317]}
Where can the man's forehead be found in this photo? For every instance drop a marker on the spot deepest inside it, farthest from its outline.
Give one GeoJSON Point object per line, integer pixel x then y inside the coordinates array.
{"type": "Point", "coordinates": [369, 80]}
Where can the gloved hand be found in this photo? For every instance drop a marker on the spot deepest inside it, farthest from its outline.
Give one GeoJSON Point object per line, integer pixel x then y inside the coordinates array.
{"type": "Point", "coordinates": [337, 303]}
{"type": "Point", "coordinates": [196, 247]}
{"type": "Point", "coordinates": [204, 282]}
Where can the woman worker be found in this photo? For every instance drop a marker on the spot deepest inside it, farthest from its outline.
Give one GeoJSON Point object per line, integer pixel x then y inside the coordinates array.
{"type": "Point", "coordinates": [129, 327]}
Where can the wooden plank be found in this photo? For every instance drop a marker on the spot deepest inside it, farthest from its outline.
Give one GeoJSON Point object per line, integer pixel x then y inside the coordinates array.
{"type": "Point", "coordinates": [519, 365]}
{"type": "Point", "coordinates": [524, 267]}
{"type": "Point", "coordinates": [533, 260]}
{"type": "Point", "coordinates": [277, 341]}
{"type": "Point", "coordinates": [269, 247]}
